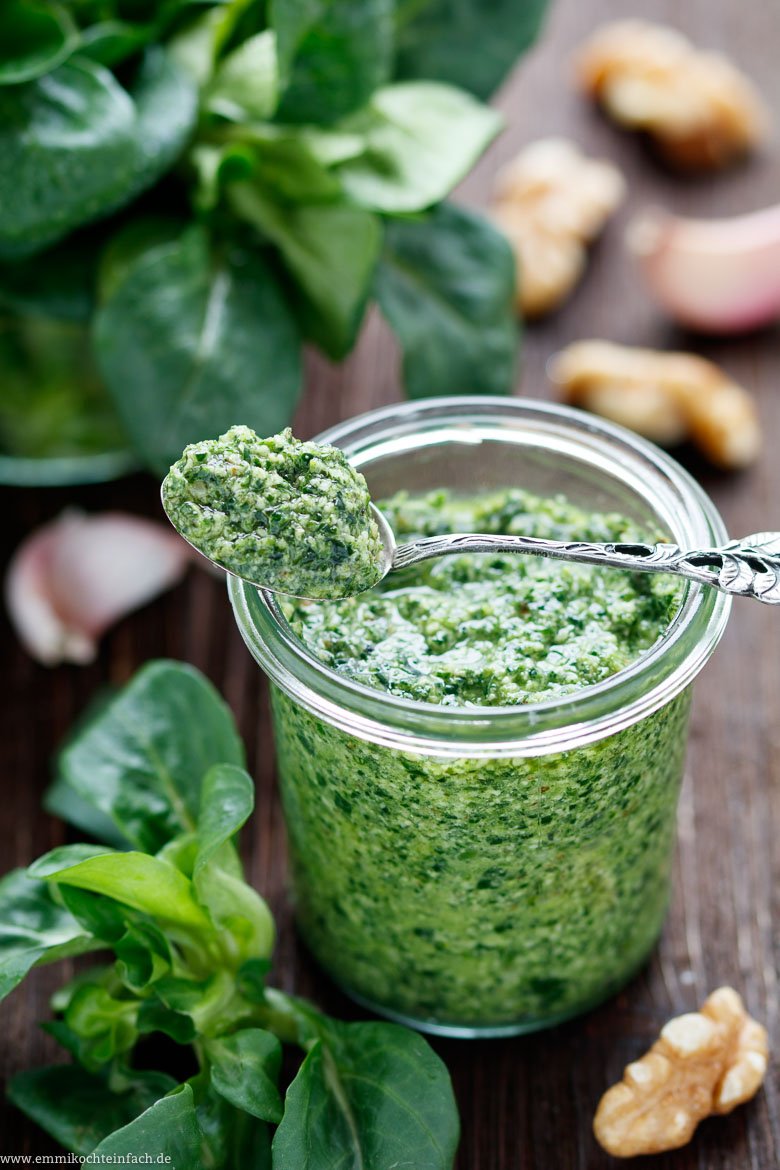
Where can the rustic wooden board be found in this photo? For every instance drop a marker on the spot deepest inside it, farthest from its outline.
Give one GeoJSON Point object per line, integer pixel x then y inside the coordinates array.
{"type": "Point", "coordinates": [526, 1104]}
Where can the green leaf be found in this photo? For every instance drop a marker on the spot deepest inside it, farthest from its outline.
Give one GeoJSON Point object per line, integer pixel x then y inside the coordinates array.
{"type": "Point", "coordinates": [246, 83]}
{"type": "Point", "coordinates": [154, 1016]}
{"type": "Point", "coordinates": [134, 238]}
{"type": "Point", "coordinates": [132, 879]}
{"type": "Point", "coordinates": [191, 341]}
{"type": "Point", "coordinates": [473, 43]}
{"type": "Point", "coordinates": [110, 42]}
{"type": "Point", "coordinates": [67, 141]}
{"type": "Point", "coordinates": [446, 286]}
{"type": "Point", "coordinates": [333, 54]}
{"type": "Point", "coordinates": [166, 108]}
{"type": "Point", "coordinates": [281, 158]}
{"type": "Point", "coordinates": [105, 1026]}
{"type": "Point", "coordinates": [421, 138]}
{"type": "Point", "coordinates": [35, 38]}
{"type": "Point", "coordinates": [331, 252]}
{"type": "Point", "coordinates": [368, 1095]}
{"type": "Point", "coordinates": [167, 1132]}
{"type": "Point", "coordinates": [232, 1138]}
{"type": "Point", "coordinates": [226, 803]}
{"type": "Point", "coordinates": [245, 1071]}
{"type": "Point", "coordinates": [196, 47]}
{"type": "Point", "coordinates": [53, 402]}
{"type": "Point", "coordinates": [77, 1108]}
{"type": "Point", "coordinates": [141, 760]}
{"type": "Point", "coordinates": [143, 955]}
{"type": "Point", "coordinates": [34, 928]}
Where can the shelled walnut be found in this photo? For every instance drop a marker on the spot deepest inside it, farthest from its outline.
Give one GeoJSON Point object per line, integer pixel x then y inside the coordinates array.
{"type": "Point", "coordinates": [700, 110]}
{"type": "Point", "coordinates": [551, 202]}
{"type": "Point", "coordinates": [703, 1063]}
{"type": "Point", "coordinates": [667, 397]}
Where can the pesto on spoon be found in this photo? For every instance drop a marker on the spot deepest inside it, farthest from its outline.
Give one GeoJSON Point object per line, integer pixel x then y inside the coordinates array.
{"type": "Point", "coordinates": [289, 516]}
{"type": "Point", "coordinates": [297, 518]}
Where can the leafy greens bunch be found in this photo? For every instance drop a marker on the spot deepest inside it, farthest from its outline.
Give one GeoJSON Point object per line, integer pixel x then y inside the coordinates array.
{"type": "Point", "coordinates": [253, 174]}
{"type": "Point", "coordinates": [158, 773]}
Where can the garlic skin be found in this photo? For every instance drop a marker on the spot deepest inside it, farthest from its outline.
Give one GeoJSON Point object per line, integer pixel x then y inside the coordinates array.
{"type": "Point", "coordinates": [73, 578]}
{"type": "Point", "coordinates": [718, 276]}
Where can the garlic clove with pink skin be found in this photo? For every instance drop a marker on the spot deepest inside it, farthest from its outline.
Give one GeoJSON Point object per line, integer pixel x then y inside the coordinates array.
{"type": "Point", "coordinates": [717, 276]}
{"type": "Point", "coordinates": [73, 578]}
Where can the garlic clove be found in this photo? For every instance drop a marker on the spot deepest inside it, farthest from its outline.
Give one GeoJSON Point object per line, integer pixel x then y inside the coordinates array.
{"type": "Point", "coordinates": [73, 578]}
{"type": "Point", "coordinates": [716, 276]}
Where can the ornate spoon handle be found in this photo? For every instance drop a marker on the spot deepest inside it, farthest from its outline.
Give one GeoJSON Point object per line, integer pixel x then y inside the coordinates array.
{"type": "Point", "coordinates": [749, 567]}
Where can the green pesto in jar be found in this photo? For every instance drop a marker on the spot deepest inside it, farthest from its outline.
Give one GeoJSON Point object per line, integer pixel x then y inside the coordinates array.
{"type": "Point", "coordinates": [285, 514]}
{"type": "Point", "coordinates": [492, 629]}
{"type": "Point", "coordinates": [476, 893]}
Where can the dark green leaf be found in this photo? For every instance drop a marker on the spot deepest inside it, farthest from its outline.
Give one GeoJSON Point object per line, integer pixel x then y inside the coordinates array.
{"type": "Point", "coordinates": [141, 760]}
{"type": "Point", "coordinates": [135, 238]}
{"type": "Point", "coordinates": [421, 138]}
{"type": "Point", "coordinates": [446, 286]}
{"type": "Point", "coordinates": [246, 84]}
{"type": "Point", "coordinates": [245, 1071]}
{"type": "Point", "coordinates": [168, 1130]}
{"type": "Point", "coordinates": [99, 916]}
{"type": "Point", "coordinates": [35, 38]}
{"type": "Point", "coordinates": [110, 42]}
{"type": "Point", "coordinates": [368, 1095]}
{"type": "Point", "coordinates": [333, 53]}
{"type": "Point", "coordinates": [77, 1108]}
{"type": "Point", "coordinates": [62, 801]}
{"type": "Point", "coordinates": [143, 955]}
{"type": "Point", "coordinates": [133, 879]}
{"type": "Point", "coordinates": [166, 107]}
{"type": "Point", "coordinates": [331, 252]}
{"type": "Point", "coordinates": [232, 1139]}
{"type": "Point", "coordinates": [33, 929]}
{"type": "Point", "coordinates": [192, 341]}
{"type": "Point", "coordinates": [67, 141]}
{"type": "Point", "coordinates": [473, 43]}
{"type": "Point", "coordinates": [154, 1016]}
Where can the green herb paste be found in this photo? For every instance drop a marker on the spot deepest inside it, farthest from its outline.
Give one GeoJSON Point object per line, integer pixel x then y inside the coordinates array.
{"type": "Point", "coordinates": [288, 515]}
{"type": "Point", "coordinates": [470, 892]}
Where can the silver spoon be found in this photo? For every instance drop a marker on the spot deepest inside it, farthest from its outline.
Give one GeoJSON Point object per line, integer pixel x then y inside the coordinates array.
{"type": "Point", "coordinates": [749, 567]}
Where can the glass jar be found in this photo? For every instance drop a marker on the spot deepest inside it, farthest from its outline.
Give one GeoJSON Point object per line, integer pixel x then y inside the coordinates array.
{"type": "Point", "coordinates": [488, 871]}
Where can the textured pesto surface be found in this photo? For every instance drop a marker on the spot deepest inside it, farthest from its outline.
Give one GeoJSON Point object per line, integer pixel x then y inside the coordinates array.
{"type": "Point", "coordinates": [492, 630]}
{"type": "Point", "coordinates": [471, 892]}
{"type": "Point", "coordinates": [480, 893]}
{"type": "Point", "coordinates": [290, 515]}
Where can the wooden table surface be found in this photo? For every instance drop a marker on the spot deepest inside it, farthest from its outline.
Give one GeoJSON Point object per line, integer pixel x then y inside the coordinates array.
{"type": "Point", "coordinates": [526, 1104]}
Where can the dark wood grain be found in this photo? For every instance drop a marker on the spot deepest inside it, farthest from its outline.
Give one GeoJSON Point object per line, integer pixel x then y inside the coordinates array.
{"type": "Point", "coordinates": [526, 1104]}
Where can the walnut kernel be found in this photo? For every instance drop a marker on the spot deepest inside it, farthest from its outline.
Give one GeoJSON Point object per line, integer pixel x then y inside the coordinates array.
{"type": "Point", "coordinates": [667, 397]}
{"type": "Point", "coordinates": [550, 202]}
{"type": "Point", "coordinates": [700, 110]}
{"type": "Point", "coordinates": [703, 1063]}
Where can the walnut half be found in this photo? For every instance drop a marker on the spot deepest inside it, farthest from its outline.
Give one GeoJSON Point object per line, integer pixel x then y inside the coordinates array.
{"type": "Point", "coordinates": [699, 109]}
{"type": "Point", "coordinates": [703, 1063]}
{"type": "Point", "coordinates": [551, 202]}
{"type": "Point", "coordinates": [667, 397]}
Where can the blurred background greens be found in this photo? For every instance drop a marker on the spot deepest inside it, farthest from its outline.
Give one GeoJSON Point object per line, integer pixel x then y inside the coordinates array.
{"type": "Point", "coordinates": [192, 191]}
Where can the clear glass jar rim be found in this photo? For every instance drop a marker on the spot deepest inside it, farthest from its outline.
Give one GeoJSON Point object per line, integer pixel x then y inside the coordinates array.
{"type": "Point", "coordinates": [556, 725]}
